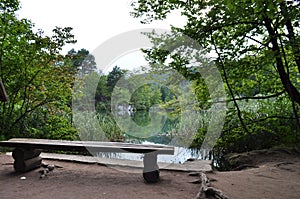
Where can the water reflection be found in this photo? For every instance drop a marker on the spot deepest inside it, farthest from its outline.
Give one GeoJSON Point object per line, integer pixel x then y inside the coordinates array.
{"type": "Point", "coordinates": [157, 127]}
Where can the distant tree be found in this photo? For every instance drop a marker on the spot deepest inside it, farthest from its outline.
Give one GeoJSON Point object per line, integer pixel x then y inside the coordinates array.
{"type": "Point", "coordinates": [146, 96]}
{"type": "Point", "coordinates": [82, 60]}
{"type": "Point", "coordinates": [102, 90]}
{"type": "Point", "coordinates": [113, 77]}
{"type": "Point", "coordinates": [166, 94]}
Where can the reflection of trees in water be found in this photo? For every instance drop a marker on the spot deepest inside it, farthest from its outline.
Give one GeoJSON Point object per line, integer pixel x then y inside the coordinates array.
{"type": "Point", "coordinates": [154, 127]}
{"type": "Point", "coordinates": [160, 139]}
{"type": "Point", "coordinates": [141, 118]}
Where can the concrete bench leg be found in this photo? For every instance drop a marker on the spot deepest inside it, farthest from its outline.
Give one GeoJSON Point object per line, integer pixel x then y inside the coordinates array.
{"type": "Point", "coordinates": [151, 169]}
{"type": "Point", "coordinates": [26, 159]}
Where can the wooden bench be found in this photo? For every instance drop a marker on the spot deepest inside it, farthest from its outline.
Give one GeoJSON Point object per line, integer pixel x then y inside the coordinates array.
{"type": "Point", "coordinates": [26, 152]}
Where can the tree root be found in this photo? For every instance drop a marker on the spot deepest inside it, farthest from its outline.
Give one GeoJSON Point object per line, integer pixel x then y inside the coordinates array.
{"type": "Point", "coordinates": [207, 192]}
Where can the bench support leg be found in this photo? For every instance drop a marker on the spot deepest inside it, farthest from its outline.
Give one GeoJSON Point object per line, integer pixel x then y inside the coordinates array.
{"type": "Point", "coordinates": [26, 159]}
{"type": "Point", "coordinates": [151, 169]}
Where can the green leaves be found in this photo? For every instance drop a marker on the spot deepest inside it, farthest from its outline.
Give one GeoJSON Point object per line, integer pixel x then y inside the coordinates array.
{"type": "Point", "coordinates": [9, 6]}
{"type": "Point", "coordinates": [258, 51]}
{"type": "Point", "coordinates": [39, 88]}
{"type": "Point", "coordinates": [146, 96]}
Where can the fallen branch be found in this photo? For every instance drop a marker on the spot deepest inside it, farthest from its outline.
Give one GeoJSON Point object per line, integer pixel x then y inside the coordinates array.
{"type": "Point", "coordinates": [207, 192]}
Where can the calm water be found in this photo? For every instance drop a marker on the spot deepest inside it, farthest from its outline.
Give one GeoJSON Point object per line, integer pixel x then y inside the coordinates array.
{"type": "Point", "coordinates": [181, 155]}
{"type": "Point", "coordinates": [139, 128]}
{"type": "Point", "coordinates": [155, 127]}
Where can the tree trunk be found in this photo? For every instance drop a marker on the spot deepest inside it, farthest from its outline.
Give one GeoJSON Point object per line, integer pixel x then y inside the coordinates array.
{"type": "Point", "coordinates": [284, 77]}
{"type": "Point", "coordinates": [291, 35]}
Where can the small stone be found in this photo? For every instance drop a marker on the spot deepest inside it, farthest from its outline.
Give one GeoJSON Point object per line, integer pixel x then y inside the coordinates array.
{"type": "Point", "coordinates": [42, 176]}
{"type": "Point", "coordinates": [44, 165]}
{"type": "Point", "coordinates": [23, 178]}
{"type": "Point", "coordinates": [41, 171]}
{"type": "Point", "coordinates": [50, 167]}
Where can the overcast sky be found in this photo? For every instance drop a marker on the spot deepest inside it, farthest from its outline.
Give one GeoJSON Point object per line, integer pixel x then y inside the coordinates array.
{"type": "Point", "coordinates": [93, 21]}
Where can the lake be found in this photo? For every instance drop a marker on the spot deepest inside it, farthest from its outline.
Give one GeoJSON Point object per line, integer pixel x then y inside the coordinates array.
{"type": "Point", "coordinates": [181, 155]}
{"type": "Point", "coordinates": [156, 127]}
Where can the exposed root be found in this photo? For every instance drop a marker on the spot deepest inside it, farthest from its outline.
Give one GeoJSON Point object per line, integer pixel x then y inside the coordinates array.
{"type": "Point", "coordinates": [207, 192]}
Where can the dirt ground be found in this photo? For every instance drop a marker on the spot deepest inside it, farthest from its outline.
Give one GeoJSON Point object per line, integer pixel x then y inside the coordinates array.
{"type": "Point", "coordinates": [276, 176]}
{"type": "Point", "coordinates": [77, 180]}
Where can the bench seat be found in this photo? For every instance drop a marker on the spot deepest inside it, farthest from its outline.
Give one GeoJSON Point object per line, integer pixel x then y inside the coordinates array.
{"type": "Point", "coordinates": [26, 152]}
{"type": "Point", "coordinates": [82, 146]}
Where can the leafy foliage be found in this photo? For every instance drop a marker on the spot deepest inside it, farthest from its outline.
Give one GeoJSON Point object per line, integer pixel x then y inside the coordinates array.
{"type": "Point", "coordinates": [82, 60]}
{"type": "Point", "coordinates": [36, 80]}
{"type": "Point", "coordinates": [257, 45]}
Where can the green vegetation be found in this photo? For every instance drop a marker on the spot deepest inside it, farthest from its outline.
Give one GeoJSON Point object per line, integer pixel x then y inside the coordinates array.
{"type": "Point", "coordinates": [257, 49]}
{"type": "Point", "coordinates": [36, 80]}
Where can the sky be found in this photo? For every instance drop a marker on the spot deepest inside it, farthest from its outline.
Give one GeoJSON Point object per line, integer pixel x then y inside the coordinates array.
{"type": "Point", "coordinates": [93, 22]}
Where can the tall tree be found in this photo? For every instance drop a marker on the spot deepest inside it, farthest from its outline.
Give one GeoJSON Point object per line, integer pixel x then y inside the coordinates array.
{"type": "Point", "coordinates": [82, 60]}
{"type": "Point", "coordinates": [238, 28]}
{"type": "Point", "coordinates": [113, 77]}
{"type": "Point", "coordinates": [36, 81]}
{"type": "Point", "coordinates": [257, 46]}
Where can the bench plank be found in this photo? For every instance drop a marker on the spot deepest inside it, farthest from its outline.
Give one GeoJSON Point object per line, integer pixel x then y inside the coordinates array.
{"type": "Point", "coordinates": [92, 146]}
{"type": "Point", "coordinates": [24, 146]}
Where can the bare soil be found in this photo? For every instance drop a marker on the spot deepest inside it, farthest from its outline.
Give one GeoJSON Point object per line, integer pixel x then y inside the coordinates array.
{"type": "Point", "coordinates": [267, 174]}
{"type": "Point", "coordinates": [77, 180]}
{"type": "Point", "coordinates": [272, 174]}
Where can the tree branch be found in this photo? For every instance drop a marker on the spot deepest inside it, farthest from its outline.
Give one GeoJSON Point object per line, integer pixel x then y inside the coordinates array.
{"type": "Point", "coordinates": [255, 98]}
{"type": "Point", "coordinates": [229, 87]}
{"type": "Point", "coordinates": [291, 34]}
{"type": "Point", "coordinates": [288, 85]}
{"type": "Point", "coordinates": [30, 110]}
